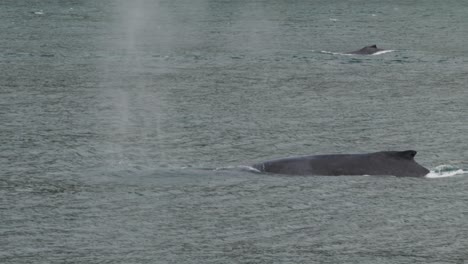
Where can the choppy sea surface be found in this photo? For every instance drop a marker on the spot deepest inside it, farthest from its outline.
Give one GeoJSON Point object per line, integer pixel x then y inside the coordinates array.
{"type": "Point", "coordinates": [124, 126]}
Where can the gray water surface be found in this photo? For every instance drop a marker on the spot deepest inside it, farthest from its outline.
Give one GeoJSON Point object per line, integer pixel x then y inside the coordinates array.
{"type": "Point", "coordinates": [114, 115]}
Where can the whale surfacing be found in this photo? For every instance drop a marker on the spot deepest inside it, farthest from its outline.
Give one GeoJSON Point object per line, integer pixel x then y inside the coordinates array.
{"type": "Point", "coordinates": [368, 50]}
{"type": "Point", "coordinates": [395, 163]}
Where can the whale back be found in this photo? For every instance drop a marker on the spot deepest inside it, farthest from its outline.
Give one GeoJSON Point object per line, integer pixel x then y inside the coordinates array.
{"type": "Point", "coordinates": [396, 163]}
{"type": "Point", "coordinates": [366, 50]}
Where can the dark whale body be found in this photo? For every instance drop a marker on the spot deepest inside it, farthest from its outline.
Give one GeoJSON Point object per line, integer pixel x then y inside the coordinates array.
{"type": "Point", "coordinates": [368, 50]}
{"type": "Point", "coordinates": [396, 163]}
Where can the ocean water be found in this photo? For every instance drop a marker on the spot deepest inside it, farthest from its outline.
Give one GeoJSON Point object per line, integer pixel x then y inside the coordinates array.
{"type": "Point", "coordinates": [124, 126]}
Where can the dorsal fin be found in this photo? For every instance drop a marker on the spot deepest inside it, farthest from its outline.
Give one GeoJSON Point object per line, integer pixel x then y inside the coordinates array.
{"type": "Point", "coordinates": [407, 154]}
{"type": "Point", "coordinates": [373, 46]}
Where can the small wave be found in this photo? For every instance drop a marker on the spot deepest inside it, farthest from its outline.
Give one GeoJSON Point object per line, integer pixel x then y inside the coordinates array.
{"type": "Point", "coordinates": [443, 171]}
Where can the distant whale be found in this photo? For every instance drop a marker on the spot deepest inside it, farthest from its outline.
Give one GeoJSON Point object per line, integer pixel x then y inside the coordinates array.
{"type": "Point", "coordinates": [368, 50]}
{"type": "Point", "coordinates": [396, 163]}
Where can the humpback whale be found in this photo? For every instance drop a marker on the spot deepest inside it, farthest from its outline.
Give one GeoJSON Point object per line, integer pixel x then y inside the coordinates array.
{"type": "Point", "coordinates": [368, 50]}
{"type": "Point", "coordinates": [395, 163]}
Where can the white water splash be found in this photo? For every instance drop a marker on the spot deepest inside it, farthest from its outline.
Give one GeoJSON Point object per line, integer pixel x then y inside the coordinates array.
{"type": "Point", "coordinates": [443, 171]}
{"type": "Point", "coordinates": [238, 167]}
{"type": "Point", "coordinates": [382, 52]}
{"type": "Point", "coordinates": [335, 53]}
{"type": "Point", "coordinates": [350, 54]}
